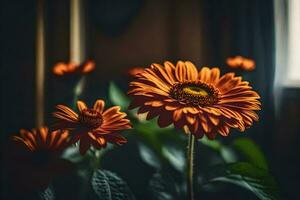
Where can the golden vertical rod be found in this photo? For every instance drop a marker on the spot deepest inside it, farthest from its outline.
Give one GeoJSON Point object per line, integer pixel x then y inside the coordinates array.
{"type": "Point", "coordinates": [40, 63]}
{"type": "Point", "coordinates": [77, 28]}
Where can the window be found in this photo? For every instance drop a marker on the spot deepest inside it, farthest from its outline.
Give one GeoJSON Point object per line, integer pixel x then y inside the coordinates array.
{"type": "Point", "coordinates": [293, 64]}
{"type": "Point", "coordinates": [287, 36]}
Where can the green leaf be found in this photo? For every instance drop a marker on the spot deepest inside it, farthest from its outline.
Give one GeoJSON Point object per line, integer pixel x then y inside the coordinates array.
{"type": "Point", "coordinates": [214, 144]}
{"type": "Point", "coordinates": [148, 156]}
{"type": "Point", "coordinates": [117, 96]}
{"type": "Point", "coordinates": [228, 154]}
{"type": "Point", "coordinates": [164, 145]}
{"type": "Point", "coordinates": [108, 186]}
{"type": "Point", "coordinates": [175, 156]}
{"type": "Point", "coordinates": [251, 151]}
{"type": "Point", "coordinates": [248, 176]}
{"type": "Point", "coordinates": [163, 187]}
{"type": "Point", "coordinates": [47, 194]}
{"type": "Point", "coordinates": [72, 154]}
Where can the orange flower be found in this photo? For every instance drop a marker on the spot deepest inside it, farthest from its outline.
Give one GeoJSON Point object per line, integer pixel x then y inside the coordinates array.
{"type": "Point", "coordinates": [199, 102]}
{"type": "Point", "coordinates": [241, 62]}
{"type": "Point", "coordinates": [41, 139]}
{"type": "Point", "coordinates": [62, 69]}
{"type": "Point", "coordinates": [33, 158]}
{"type": "Point", "coordinates": [93, 126]}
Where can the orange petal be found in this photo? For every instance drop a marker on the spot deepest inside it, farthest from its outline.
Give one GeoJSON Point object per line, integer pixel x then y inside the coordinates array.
{"type": "Point", "coordinates": [163, 74]}
{"type": "Point", "coordinates": [101, 141]}
{"type": "Point", "coordinates": [88, 67]}
{"type": "Point", "coordinates": [180, 71]}
{"type": "Point", "coordinates": [223, 80]}
{"type": "Point", "coordinates": [154, 103]}
{"type": "Point", "coordinates": [192, 72]}
{"type": "Point", "coordinates": [67, 111]}
{"type": "Point", "coordinates": [224, 130]}
{"type": "Point", "coordinates": [111, 111]}
{"type": "Point", "coordinates": [211, 135]}
{"type": "Point", "coordinates": [214, 119]}
{"type": "Point", "coordinates": [170, 70]}
{"type": "Point", "coordinates": [204, 74]}
{"type": "Point", "coordinates": [190, 119]}
{"type": "Point", "coordinates": [99, 105]}
{"type": "Point", "coordinates": [153, 113]}
{"type": "Point", "coordinates": [81, 106]}
{"type": "Point", "coordinates": [165, 119]}
{"type": "Point", "coordinates": [214, 75]}
{"type": "Point", "coordinates": [177, 114]}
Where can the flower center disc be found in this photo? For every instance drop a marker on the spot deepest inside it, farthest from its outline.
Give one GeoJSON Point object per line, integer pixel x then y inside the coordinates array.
{"type": "Point", "coordinates": [91, 118]}
{"type": "Point", "coordinates": [194, 90]}
{"type": "Point", "coordinates": [194, 93]}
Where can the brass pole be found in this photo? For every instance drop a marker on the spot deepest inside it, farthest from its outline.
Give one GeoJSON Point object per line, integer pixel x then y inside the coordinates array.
{"type": "Point", "coordinates": [40, 63]}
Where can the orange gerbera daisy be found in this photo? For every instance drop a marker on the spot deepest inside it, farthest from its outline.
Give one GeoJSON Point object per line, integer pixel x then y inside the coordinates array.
{"type": "Point", "coordinates": [41, 139]}
{"type": "Point", "coordinates": [93, 126]}
{"type": "Point", "coordinates": [62, 69]}
{"type": "Point", "coordinates": [200, 102]}
{"type": "Point", "coordinates": [34, 158]}
{"type": "Point", "coordinates": [241, 62]}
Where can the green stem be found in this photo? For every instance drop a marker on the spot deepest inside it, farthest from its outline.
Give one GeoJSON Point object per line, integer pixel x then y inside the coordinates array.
{"type": "Point", "coordinates": [97, 157]}
{"type": "Point", "coordinates": [190, 160]}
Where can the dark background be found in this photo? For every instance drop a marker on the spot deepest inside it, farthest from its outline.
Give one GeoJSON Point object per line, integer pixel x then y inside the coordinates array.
{"type": "Point", "coordinates": [123, 34]}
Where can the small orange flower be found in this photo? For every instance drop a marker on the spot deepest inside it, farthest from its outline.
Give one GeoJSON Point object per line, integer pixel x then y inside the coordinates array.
{"type": "Point", "coordinates": [62, 69]}
{"type": "Point", "coordinates": [241, 62]}
{"type": "Point", "coordinates": [135, 70]}
{"type": "Point", "coordinates": [41, 139]}
{"type": "Point", "coordinates": [93, 126]}
{"type": "Point", "coordinates": [34, 158]}
{"type": "Point", "coordinates": [199, 102]}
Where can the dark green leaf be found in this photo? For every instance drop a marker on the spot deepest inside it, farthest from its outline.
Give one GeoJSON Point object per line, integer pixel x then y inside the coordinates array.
{"type": "Point", "coordinates": [228, 154]}
{"type": "Point", "coordinates": [163, 187]}
{"type": "Point", "coordinates": [117, 96]}
{"type": "Point", "coordinates": [163, 145]}
{"type": "Point", "coordinates": [72, 154]}
{"type": "Point", "coordinates": [148, 156]}
{"type": "Point", "coordinates": [251, 151]}
{"type": "Point", "coordinates": [47, 194]}
{"type": "Point", "coordinates": [175, 155]}
{"type": "Point", "coordinates": [214, 144]}
{"type": "Point", "coordinates": [248, 176]}
{"type": "Point", "coordinates": [108, 186]}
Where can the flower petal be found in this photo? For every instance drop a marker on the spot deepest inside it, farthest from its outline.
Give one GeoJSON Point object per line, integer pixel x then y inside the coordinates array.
{"type": "Point", "coordinates": [99, 105]}
{"type": "Point", "coordinates": [192, 72]}
{"type": "Point", "coordinates": [81, 106]}
{"type": "Point", "coordinates": [204, 75]}
{"type": "Point", "coordinates": [180, 71]}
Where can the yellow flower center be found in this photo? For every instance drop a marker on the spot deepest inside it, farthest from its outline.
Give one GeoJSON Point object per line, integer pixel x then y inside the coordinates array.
{"type": "Point", "coordinates": [194, 93]}
{"type": "Point", "coordinates": [194, 90]}
{"type": "Point", "coordinates": [90, 118]}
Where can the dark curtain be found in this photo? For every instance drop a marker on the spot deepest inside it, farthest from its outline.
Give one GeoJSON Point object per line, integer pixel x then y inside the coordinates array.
{"type": "Point", "coordinates": [234, 27]}
{"type": "Point", "coordinates": [246, 27]}
{"type": "Point", "coordinates": [17, 66]}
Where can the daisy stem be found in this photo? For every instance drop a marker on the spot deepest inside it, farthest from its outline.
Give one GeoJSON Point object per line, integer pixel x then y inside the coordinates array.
{"type": "Point", "coordinates": [190, 160]}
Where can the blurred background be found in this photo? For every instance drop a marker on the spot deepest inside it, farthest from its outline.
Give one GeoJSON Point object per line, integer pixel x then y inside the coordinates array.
{"type": "Point", "coordinates": [120, 34]}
